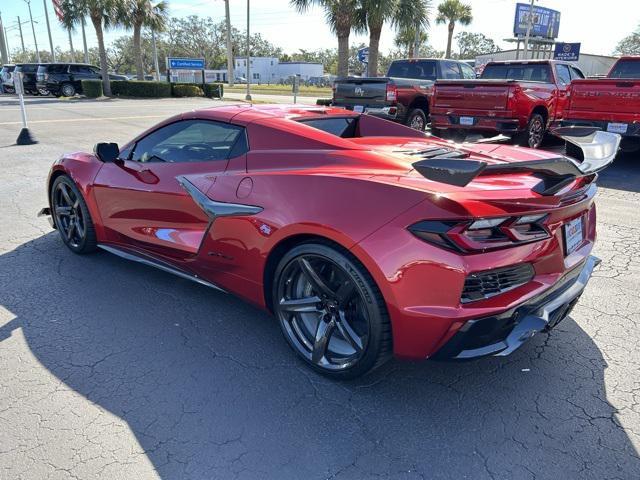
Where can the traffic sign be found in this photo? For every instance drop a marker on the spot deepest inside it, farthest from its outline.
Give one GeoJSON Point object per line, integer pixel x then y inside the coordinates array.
{"type": "Point", "coordinates": [185, 63]}
{"type": "Point", "coordinates": [363, 55]}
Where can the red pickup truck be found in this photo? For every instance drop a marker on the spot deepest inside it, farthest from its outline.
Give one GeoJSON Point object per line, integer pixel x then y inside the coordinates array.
{"type": "Point", "coordinates": [612, 103]}
{"type": "Point", "coordinates": [516, 98]}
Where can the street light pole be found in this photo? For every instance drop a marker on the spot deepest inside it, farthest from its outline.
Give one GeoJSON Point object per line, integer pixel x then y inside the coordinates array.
{"type": "Point", "coordinates": [156, 67]}
{"type": "Point", "coordinates": [529, 25]}
{"type": "Point", "coordinates": [21, 37]}
{"type": "Point", "coordinates": [4, 56]}
{"type": "Point", "coordinates": [33, 30]}
{"type": "Point", "coordinates": [46, 16]}
{"type": "Point", "coordinates": [229, 45]}
{"type": "Point", "coordinates": [248, 96]}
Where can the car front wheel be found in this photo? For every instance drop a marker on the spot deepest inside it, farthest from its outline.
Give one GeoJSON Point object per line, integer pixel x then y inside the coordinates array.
{"type": "Point", "coordinates": [71, 216]}
{"type": "Point", "coordinates": [331, 312]}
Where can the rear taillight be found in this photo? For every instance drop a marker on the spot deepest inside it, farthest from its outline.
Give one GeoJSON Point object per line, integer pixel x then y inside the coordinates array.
{"type": "Point", "coordinates": [483, 234]}
{"type": "Point", "coordinates": [511, 98]}
{"type": "Point", "coordinates": [392, 93]}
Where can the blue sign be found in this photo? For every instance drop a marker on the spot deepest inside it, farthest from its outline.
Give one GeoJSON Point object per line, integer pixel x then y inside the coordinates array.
{"type": "Point", "coordinates": [545, 22]}
{"type": "Point", "coordinates": [569, 52]}
{"type": "Point", "coordinates": [363, 55]}
{"type": "Point", "coordinates": [185, 63]}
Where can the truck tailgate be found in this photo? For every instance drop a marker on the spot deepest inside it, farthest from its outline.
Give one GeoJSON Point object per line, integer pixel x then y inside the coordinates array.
{"type": "Point", "coordinates": [360, 91]}
{"type": "Point", "coordinates": [606, 95]}
{"type": "Point", "coordinates": [471, 94]}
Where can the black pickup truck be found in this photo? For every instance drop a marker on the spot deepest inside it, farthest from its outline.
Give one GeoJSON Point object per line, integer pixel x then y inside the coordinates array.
{"type": "Point", "coordinates": [404, 94]}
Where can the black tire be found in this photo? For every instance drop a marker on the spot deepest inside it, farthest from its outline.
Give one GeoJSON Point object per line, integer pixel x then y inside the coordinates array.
{"type": "Point", "coordinates": [416, 119]}
{"type": "Point", "coordinates": [71, 216]}
{"type": "Point", "coordinates": [533, 135]}
{"type": "Point", "coordinates": [353, 313]}
{"type": "Point", "coordinates": [67, 90]}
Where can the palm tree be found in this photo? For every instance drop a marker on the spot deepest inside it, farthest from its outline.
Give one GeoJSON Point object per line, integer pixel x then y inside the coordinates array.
{"type": "Point", "coordinates": [402, 14]}
{"type": "Point", "coordinates": [142, 13]}
{"type": "Point", "coordinates": [452, 11]}
{"type": "Point", "coordinates": [342, 17]}
{"type": "Point", "coordinates": [103, 15]}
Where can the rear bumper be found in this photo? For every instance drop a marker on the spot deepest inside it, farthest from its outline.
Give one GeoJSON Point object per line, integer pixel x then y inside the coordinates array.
{"type": "Point", "coordinates": [395, 113]}
{"type": "Point", "coordinates": [633, 128]}
{"type": "Point", "coordinates": [502, 334]}
{"type": "Point", "coordinates": [506, 125]}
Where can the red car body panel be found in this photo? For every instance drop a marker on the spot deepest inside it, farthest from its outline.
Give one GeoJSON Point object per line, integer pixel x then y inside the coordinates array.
{"type": "Point", "coordinates": [496, 105]}
{"type": "Point", "coordinates": [360, 193]}
{"type": "Point", "coordinates": [601, 102]}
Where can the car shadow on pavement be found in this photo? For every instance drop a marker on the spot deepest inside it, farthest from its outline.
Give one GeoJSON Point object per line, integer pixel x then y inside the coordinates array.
{"type": "Point", "coordinates": [209, 388]}
{"type": "Point", "coordinates": [623, 173]}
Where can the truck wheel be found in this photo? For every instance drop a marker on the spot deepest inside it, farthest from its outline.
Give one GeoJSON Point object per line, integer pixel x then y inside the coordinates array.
{"type": "Point", "coordinates": [417, 119]}
{"type": "Point", "coordinates": [533, 135]}
{"type": "Point", "coordinates": [68, 90]}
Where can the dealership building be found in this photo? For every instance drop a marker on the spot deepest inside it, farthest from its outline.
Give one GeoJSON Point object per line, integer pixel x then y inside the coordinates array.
{"type": "Point", "coordinates": [271, 70]}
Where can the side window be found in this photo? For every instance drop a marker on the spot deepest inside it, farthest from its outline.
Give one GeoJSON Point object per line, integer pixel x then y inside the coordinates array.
{"type": "Point", "coordinates": [74, 69]}
{"type": "Point", "coordinates": [467, 71]}
{"type": "Point", "coordinates": [575, 73]}
{"type": "Point", "coordinates": [188, 141]}
{"type": "Point", "coordinates": [562, 72]}
{"type": "Point", "coordinates": [450, 70]}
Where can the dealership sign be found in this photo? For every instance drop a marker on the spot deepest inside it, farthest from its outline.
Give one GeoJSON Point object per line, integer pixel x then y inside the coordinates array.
{"type": "Point", "coordinates": [567, 51]}
{"type": "Point", "coordinates": [545, 22]}
{"type": "Point", "coordinates": [363, 55]}
{"type": "Point", "coordinates": [185, 63]}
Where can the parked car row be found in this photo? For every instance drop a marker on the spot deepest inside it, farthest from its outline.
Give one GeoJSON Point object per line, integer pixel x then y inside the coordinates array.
{"type": "Point", "coordinates": [59, 79]}
{"type": "Point", "coordinates": [522, 99]}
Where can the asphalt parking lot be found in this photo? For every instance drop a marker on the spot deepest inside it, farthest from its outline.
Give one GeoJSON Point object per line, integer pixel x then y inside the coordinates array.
{"type": "Point", "coordinates": [110, 369]}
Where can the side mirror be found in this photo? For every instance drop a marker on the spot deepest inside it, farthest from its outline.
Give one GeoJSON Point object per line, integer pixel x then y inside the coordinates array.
{"type": "Point", "coordinates": [106, 152]}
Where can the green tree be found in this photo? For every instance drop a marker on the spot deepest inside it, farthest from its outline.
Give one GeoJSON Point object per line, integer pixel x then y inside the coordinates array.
{"type": "Point", "coordinates": [142, 13]}
{"type": "Point", "coordinates": [452, 12]}
{"type": "Point", "coordinates": [405, 40]}
{"type": "Point", "coordinates": [402, 14]}
{"type": "Point", "coordinates": [342, 16]}
{"type": "Point", "coordinates": [473, 44]}
{"type": "Point", "coordinates": [629, 45]}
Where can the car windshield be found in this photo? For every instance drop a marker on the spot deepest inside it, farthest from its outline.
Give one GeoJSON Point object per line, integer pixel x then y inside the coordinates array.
{"type": "Point", "coordinates": [344, 127]}
{"type": "Point", "coordinates": [532, 72]}
{"type": "Point", "coordinates": [626, 69]}
{"type": "Point", "coordinates": [418, 69]}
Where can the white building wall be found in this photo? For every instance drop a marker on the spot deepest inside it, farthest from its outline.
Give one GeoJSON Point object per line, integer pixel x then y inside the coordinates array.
{"type": "Point", "coordinates": [261, 69]}
{"type": "Point", "coordinates": [305, 70]}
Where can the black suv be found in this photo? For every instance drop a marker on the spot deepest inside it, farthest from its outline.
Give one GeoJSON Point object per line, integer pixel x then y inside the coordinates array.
{"type": "Point", "coordinates": [65, 79]}
{"type": "Point", "coordinates": [28, 71]}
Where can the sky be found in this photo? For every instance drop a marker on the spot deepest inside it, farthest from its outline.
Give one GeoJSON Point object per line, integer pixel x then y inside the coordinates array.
{"type": "Point", "coordinates": [598, 24]}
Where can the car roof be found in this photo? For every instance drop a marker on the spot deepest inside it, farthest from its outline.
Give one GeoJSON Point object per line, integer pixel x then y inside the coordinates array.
{"type": "Point", "coordinates": [247, 113]}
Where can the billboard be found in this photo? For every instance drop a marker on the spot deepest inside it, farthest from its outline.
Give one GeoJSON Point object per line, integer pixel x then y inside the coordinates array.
{"type": "Point", "coordinates": [545, 21]}
{"type": "Point", "coordinates": [569, 52]}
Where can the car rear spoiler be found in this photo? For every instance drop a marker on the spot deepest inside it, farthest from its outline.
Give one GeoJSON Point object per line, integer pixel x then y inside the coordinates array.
{"type": "Point", "coordinates": [597, 149]}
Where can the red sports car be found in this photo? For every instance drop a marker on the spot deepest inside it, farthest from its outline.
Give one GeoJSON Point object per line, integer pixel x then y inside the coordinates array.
{"type": "Point", "coordinates": [363, 237]}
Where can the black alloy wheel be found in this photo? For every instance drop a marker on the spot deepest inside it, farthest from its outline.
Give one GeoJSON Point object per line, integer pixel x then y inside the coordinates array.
{"type": "Point", "coordinates": [331, 312]}
{"type": "Point", "coordinates": [533, 136]}
{"type": "Point", "coordinates": [71, 216]}
{"type": "Point", "coordinates": [417, 120]}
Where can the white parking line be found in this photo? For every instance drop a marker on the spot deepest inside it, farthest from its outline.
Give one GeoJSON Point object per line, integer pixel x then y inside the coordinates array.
{"type": "Point", "coordinates": [86, 119]}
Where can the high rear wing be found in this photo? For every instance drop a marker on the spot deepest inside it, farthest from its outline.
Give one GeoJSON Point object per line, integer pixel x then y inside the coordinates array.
{"type": "Point", "coordinates": [597, 149]}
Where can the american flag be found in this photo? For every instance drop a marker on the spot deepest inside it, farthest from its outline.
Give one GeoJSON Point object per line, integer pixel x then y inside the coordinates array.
{"type": "Point", "coordinates": [57, 6]}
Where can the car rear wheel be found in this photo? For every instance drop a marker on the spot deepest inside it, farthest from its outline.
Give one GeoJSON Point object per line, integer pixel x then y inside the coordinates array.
{"type": "Point", "coordinates": [534, 134]}
{"type": "Point", "coordinates": [71, 216]}
{"type": "Point", "coordinates": [331, 312]}
{"type": "Point", "coordinates": [417, 119]}
{"type": "Point", "coordinates": [68, 90]}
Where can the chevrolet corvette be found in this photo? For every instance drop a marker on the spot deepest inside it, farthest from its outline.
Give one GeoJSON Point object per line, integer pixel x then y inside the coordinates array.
{"type": "Point", "coordinates": [364, 238]}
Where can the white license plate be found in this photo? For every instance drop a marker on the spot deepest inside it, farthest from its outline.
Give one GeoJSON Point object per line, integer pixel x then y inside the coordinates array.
{"type": "Point", "coordinates": [617, 127]}
{"type": "Point", "coordinates": [358, 109]}
{"type": "Point", "coordinates": [573, 235]}
{"type": "Point", "coordinates": [466, 120]}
